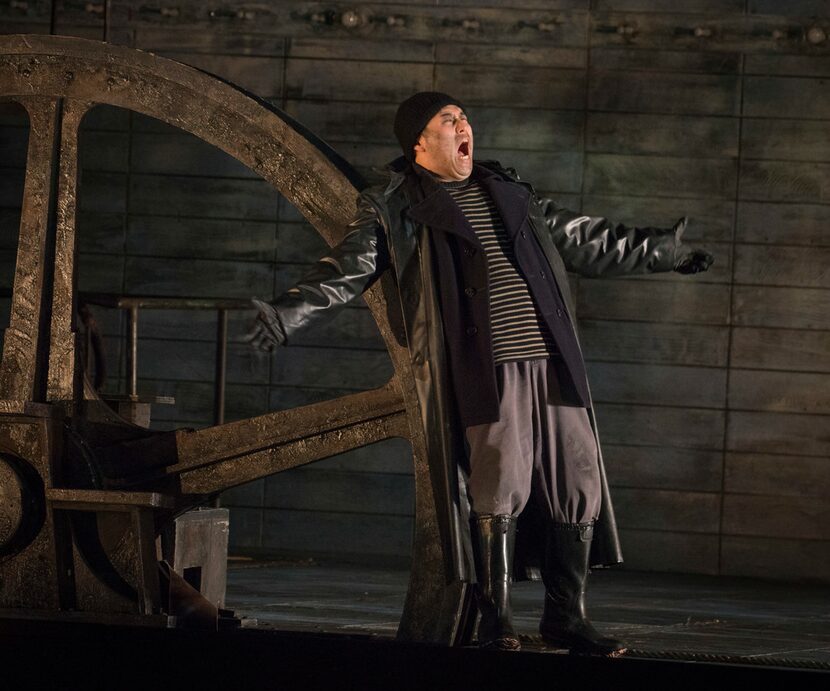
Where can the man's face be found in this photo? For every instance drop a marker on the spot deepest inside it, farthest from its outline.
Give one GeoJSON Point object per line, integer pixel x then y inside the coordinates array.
{"type": "Point", "coordinates": [445, 147]}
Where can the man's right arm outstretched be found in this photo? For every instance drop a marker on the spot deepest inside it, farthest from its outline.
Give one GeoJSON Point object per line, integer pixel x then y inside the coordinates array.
{"type": "Point", "coordinates": [344, 273]}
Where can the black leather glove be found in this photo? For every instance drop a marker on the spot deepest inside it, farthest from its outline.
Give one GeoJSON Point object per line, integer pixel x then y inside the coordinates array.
{"type": "Point", "coordinates": [693, 261]}
{"type": "Point", "coordinates": [267, 330]}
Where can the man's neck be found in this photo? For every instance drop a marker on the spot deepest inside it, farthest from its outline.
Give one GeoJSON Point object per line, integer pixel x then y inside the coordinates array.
{"type": "Point", "coordinates": [454, 184]}
{"type": "Point", "coordinates": [444, 183]}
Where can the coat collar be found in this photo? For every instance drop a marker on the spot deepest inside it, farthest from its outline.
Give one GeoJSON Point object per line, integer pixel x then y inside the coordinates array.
{"type": "Point", "coordinates": [511, 199]}
{"type": "Point", "coordinates": [438, 210]}
{"type": "Point", "coordinates": [397, 170]}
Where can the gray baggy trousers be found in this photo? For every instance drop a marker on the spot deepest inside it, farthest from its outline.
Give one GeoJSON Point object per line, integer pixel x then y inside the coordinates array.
{"type": "Point", "coordinates": [538, 447]}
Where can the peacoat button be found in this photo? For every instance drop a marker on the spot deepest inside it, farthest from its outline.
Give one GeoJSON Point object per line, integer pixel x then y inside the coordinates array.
{"type": "Point", "coordinates": [472, 330]}
{"type": "Point", "coordinates": [469, 251]}
{"type": "Point", "coordinates": [558, 313]}
{"type": "Point", "coordinates": [470, 291]}
{"type": "Point", "coordinates": [541, 274]}
{"type": "Point", "coordinates": [524, 235]}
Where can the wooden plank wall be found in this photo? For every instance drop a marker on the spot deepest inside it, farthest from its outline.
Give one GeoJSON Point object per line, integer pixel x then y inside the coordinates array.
{"type": "Point", "coordinates": [712, 391]}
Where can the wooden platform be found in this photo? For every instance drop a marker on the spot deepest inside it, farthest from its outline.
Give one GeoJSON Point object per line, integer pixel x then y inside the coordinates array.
{"type": "Point", "coordinates": [697, 617]}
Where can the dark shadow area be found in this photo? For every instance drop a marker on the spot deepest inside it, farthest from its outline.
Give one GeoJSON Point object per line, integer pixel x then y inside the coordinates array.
{"type": "Point", "coordinates": [14, 141]}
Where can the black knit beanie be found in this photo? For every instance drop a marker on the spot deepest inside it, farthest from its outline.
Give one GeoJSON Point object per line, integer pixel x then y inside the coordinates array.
{"type": "Point", "coordinates": [414, 114]}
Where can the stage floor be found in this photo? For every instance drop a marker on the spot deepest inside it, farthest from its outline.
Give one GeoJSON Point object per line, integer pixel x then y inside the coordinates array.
{"type": "Point", "coordinates": [332, 627]}
{"type": "Point", "coordinates": [655, 612]}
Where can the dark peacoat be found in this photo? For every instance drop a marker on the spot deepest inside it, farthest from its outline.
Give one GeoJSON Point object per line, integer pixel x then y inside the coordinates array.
{"type": "Point", "coordinates": [398, 226]}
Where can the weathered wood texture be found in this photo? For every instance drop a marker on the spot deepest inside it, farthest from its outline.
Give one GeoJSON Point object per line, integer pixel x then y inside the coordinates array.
{"type": "Point", "coordinates": [712, 390]}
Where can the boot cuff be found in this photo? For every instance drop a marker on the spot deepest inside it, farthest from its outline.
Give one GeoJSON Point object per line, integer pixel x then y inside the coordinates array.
{"type": "Point", "coordinates": [583, 532]}
{"type": "Point", "coordinates": [496, 523]}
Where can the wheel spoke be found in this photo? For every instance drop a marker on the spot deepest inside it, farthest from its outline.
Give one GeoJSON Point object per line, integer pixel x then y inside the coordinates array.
{"type": "Point", "coordinates": [239, 452]}
{"type": "Point", "coordinates": [63, 383]}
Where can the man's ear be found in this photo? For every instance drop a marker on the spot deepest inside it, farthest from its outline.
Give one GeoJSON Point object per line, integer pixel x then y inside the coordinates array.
{"type": "Point", "coordinates": [419, 146]}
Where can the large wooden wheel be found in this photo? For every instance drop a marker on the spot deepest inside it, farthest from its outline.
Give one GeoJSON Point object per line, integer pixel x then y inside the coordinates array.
{"type": "Point", "coordinates": [57, 80]}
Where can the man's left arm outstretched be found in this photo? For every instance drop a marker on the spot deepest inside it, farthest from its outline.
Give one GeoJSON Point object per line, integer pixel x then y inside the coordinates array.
{"type": "Point", "coordinates": [594, 247]}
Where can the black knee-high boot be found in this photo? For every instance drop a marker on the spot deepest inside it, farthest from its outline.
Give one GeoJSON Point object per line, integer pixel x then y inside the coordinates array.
{"type": "Point", "coordinates": [493, 542]}
{"type": "Point", "coordinates": [565, 571]}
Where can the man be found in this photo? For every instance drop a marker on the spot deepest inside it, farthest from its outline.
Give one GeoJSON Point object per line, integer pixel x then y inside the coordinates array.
{"type": "Point", "coordinates": [480, 265]}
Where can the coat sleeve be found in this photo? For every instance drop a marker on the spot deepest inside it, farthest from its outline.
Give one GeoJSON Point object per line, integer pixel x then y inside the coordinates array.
{"type": "Point", "coordinates": [349, 269]}
{"type": "Point", "coordinates": [593, 246]}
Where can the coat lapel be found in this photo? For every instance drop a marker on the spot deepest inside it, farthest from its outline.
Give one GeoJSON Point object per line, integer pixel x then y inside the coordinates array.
{"type": "Point", "coordinates": [438, 211]}
{"type": "Point", "coordinates": [511, 200]}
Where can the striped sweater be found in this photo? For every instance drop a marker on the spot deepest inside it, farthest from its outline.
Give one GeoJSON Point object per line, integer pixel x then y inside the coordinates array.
{"type": "Point", "coordinates": [518, 332]}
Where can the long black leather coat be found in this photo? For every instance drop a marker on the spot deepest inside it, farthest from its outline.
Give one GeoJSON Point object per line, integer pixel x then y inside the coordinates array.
{"type": "Point", "coordinates": [383, 234]}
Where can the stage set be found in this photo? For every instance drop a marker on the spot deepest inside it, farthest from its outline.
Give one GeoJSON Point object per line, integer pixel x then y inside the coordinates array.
{"type": "Point", "coordinates": [296, 514]}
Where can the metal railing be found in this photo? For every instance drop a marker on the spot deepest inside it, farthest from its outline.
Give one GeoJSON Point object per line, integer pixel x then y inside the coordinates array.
{"type": "Point", "coordinates": [132, 304]}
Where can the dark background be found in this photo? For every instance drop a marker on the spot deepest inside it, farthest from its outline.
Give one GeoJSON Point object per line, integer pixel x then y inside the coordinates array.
{"type": "Point", "coordinates": [713, 392]}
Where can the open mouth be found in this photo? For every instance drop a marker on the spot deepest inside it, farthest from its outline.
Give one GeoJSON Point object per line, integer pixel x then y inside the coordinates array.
{"type": "Point", "coordinates": [464, 150]}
